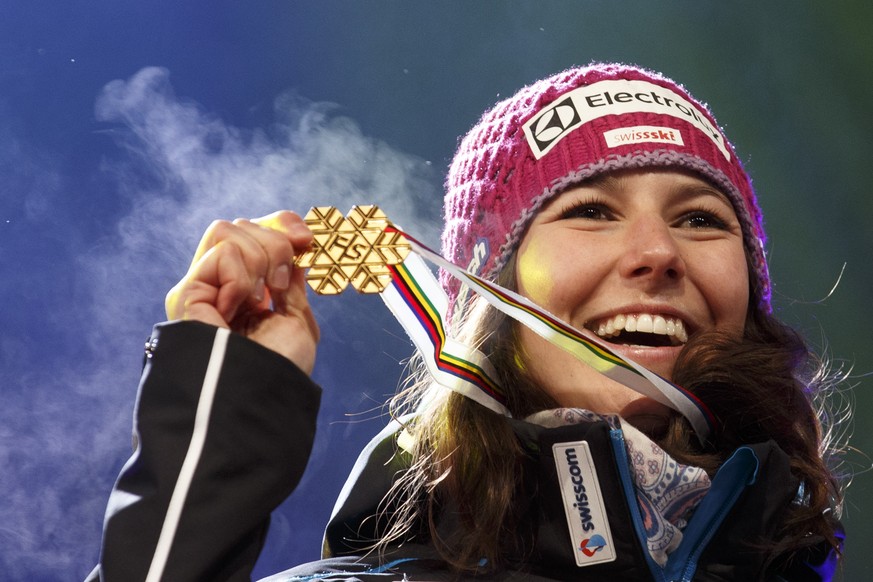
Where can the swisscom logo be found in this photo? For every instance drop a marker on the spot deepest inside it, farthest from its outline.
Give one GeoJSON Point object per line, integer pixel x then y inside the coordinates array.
{"type": "Point", "coordinates": [592, 545]}
{"type": "Point", "coordinates": [590, 535]}
{"type": "Point", "coordinates": [615, 97]}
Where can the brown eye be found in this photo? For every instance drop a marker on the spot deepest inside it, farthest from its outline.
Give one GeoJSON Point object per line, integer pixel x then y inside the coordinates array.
{"type": "Point", "coordinates": [587, 211]}
{"type": "Point", "coordinates": [702, 219]}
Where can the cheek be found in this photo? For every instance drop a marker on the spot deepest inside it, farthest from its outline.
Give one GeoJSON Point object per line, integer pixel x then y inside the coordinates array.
{"type": "Point", "coordinates": [727, 290]}
{"type": "Point", "coordinates": [535, 277]}
{"type": "Point", "coordinates": [739, 302]}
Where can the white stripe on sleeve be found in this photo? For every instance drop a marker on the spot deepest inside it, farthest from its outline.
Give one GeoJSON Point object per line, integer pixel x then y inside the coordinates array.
{"type": "Point", "coordinates": [192, 456]}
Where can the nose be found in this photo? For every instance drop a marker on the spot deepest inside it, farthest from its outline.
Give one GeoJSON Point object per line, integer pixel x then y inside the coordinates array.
{"type": "Point", "coordinates": [651, 255]}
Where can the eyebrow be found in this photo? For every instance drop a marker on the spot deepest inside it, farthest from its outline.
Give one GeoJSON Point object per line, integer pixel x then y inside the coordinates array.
{"type": "Point", "coordinates": [611, 182]}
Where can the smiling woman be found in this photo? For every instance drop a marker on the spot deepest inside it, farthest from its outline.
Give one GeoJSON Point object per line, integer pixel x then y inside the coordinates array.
{"type": "Point", "coordinates": [607, 197]}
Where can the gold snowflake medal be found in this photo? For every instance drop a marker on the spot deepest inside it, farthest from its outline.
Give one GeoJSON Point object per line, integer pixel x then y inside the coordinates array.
{"type": "Point", "coordinates": [356, 248]}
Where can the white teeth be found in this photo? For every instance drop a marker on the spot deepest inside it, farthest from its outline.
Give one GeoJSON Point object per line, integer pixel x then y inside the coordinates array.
{"type": "Point", "coordinates": [644, 323]}
{"type": "Point", "coordinates": [619, 321]}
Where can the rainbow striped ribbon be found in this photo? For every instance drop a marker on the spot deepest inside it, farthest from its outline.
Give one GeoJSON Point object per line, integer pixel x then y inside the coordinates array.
{"type": "Point", "coordinates": [420, 305]}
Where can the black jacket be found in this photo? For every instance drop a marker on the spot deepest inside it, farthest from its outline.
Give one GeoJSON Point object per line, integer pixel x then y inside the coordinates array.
{"type": "Point", "coordinates": [218, 451]}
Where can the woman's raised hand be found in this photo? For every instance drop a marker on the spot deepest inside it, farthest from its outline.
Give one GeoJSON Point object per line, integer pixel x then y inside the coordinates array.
{"type": "Point", "coordinates": [243, 278]}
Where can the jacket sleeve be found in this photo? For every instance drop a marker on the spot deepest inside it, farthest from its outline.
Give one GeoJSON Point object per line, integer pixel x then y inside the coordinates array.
{"type": "Point", "coordinates": [224, 428]}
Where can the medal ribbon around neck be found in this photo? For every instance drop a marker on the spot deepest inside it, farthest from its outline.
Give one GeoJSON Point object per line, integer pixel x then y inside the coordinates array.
{"type": "Point", "coordinates": [371, 253]}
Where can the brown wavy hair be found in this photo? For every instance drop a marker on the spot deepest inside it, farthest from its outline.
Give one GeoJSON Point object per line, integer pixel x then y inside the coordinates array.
{"type": "Point", "coordinates": [765, 385]}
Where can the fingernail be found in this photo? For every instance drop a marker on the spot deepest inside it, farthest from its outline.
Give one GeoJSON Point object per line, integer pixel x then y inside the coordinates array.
{"type": "Point", "coordinates": [260, 290]}
{"type": "Point", "coordinates": [281, 277]}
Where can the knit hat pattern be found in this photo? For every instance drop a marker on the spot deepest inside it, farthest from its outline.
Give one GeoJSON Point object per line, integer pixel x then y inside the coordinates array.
{"type": "Point", "coordinates": [570, 127]}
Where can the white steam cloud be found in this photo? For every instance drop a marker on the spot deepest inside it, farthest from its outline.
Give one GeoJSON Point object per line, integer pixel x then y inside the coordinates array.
{"type": "Point", "coordinates": [179, 169]}
{"type": "Point", "coordinates": [202, 169]}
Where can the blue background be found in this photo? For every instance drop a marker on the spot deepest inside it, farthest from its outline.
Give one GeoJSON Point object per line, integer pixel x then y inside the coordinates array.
{"type": "Point", "coordinates": [126, 127]}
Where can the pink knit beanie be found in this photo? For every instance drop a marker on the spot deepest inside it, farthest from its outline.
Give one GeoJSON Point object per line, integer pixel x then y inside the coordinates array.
{"type": "Point", "coordinates": [571, 127]}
